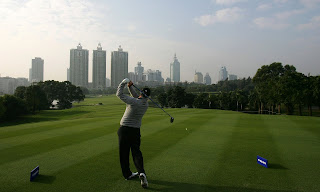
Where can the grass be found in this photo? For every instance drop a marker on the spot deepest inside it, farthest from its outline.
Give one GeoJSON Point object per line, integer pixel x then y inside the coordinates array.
{"type": "Point", "coordinates": [77, 150]}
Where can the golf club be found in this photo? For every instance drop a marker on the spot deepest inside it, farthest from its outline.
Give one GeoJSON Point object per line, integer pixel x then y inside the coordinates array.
{"type": "Point", "coordinates": [171, 119]}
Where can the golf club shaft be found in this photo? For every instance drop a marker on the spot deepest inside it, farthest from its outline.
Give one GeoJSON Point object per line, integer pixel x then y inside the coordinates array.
{"type": "Point", "coordinates": [152, 100]}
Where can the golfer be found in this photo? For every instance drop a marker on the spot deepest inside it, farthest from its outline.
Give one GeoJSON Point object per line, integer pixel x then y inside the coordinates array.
{"type": "Point", "coordinates": [129, 131]}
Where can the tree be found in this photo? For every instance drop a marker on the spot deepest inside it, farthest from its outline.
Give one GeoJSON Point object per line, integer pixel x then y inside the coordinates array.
{"type": "Point", "coordinates": [20, 92]}
{"type": "Point", "coordinates": [162, 99]}
{"type": "Point", "coordinates": [65, 92]}
{"type": "Point", "coordinates": [316, 92]}
{"type": "Point", "coordinates": [176, 97]}
{"type": "Point", "coordinates": [254, 101]}
{"type": "Point", "coordinates": [189, 99]}
{"type": "Point", "coordinates": [36, 98]}
{"type": "Point", "coordinates": [288, 87]}
{"type": "Point", "coordinates": [11, 107]}
{"type": "Point", "coordinates": [201, 101]}
{"type": "Point", "coordinates": [2, 109]}
{"type": "Point", "coordinates": [309, 89]}
{"type": "Point", "coordinates": [267, 85]}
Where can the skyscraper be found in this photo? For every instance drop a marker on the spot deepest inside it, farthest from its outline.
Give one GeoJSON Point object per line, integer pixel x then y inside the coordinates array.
{"type": "Point", "coordinates": [223, 74]}
{"type": "Point", "coordinates": [198, 77]}
{"type": "Point", "coordinates": [36, 70]}
{"type": "Point", "coordinates": [119, 66]}
{"type": "Point", "coordinates": [139, 72]}
{"type": "Point", "coordinates": [232, 77]}
{"type": "Point", "coordinates": [79, 66]}
{"type": "Point", "coordinates": [99, 68]}
{"type": "Point", "coordinates": [207, 79]}
{"type": "Point", "coordinates": [175, 70]}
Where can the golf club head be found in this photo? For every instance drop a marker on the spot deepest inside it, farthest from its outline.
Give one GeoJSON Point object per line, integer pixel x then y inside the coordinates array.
{"type": "Point", "coordinates": [171, 120]}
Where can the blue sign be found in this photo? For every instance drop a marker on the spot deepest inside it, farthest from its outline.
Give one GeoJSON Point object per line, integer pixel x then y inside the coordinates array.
{"type": "Point", "coordinates": [34, 173]}
{"type": "Point", "coordinates": [262, 161]}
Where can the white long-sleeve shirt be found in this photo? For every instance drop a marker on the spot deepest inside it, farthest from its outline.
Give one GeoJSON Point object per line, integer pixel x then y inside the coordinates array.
{"type": "Point", "coordinates": [135, 109]}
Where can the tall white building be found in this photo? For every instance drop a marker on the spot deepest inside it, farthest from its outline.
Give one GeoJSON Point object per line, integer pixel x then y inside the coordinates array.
{"type": "Point", "coordinates": [8, 84]}
{"type": "Point", "coordinates": [223, 74]}
{"type": "Point", "coordinates": [99, 68]}
{"type": "Point", "coordinates": [79, 66]}
{"type": "Point", "coordinates": [68, 74]}
{"type": "Point", "coordinates": [119, 66]}
{"type": "Point", "coordinates": [154, 76]}
{"type": "Point", "coordinates": [198, 77]}
{"type": "Point", "coordinates": [36, 71]}
{"type": "Point", "coordinates": [232, 77]}
{"type": "Point", "coordinates": [175, 70]}
{"type": "Point", "coordinates": [207, 79]}
{"type": "Point", "coordinates": [139, 72]}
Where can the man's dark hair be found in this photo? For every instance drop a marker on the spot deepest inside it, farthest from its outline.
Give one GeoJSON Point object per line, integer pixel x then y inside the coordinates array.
{"type": "Point", "coordinates": [146, 91]}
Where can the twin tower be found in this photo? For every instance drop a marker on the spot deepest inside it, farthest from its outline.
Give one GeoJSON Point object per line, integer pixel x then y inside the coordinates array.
{"type": "Point", "coordinates": [78, 71]}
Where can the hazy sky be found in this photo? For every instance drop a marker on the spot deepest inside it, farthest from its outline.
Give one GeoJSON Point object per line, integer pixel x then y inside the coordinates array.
{"type": "Point", "coordinates": [242, 35]}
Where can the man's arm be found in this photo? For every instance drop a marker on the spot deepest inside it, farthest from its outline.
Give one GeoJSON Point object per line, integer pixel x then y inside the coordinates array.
{"type": "Point", "coordinates": [132, 91]}
{"type": "Point", "coordinates": [125, 98]}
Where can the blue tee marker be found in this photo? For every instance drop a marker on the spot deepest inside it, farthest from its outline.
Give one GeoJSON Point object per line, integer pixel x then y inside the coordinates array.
{"type": "Point", "coordinates": [34, 173]}
{"type": "Point", "coordinates": [262, 161]}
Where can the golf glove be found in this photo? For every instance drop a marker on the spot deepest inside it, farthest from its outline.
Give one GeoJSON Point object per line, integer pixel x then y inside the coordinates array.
{"type": "Point", "coordinates": [126, 80]}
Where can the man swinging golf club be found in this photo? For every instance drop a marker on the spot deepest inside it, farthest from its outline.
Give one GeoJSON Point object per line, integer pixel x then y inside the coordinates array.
{"type": "Point", "coordinates": [129, 131]}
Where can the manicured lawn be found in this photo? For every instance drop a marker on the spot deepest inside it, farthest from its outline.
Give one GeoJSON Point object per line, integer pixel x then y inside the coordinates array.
{"type": "Point", "coordinates": [77, 150]}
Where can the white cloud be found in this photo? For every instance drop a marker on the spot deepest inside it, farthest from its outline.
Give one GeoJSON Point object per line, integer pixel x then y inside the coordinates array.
{"type": "Point", "coordinates": [309, 3]}
{"type": "Point", "coordinates": [313, 24]}
{"type": "Point", "coordinates": [227, 15]}
{"type": "Point", "coordinates": [228, 2]}
{"type": "Point", "coordinates": [132, 28]}
{"type": "Point", "coordinates": [269, 23]}
{"type": "Point", "coordinates": [287, 14]}
{"type": "Point", "coordinates": [280, 1]}
{"type": "Point", "coordinates": [264, 7]}
{"type": "Point", "coordinates": [69, 18]}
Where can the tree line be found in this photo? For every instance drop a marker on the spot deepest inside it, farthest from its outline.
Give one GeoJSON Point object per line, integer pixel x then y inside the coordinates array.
{"type": "Point", "coordinates": [39, 97]}
{"type": "Point", "coordinates": [272, 88]}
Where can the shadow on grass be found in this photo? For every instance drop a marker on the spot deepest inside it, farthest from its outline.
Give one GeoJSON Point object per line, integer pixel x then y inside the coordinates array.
{"type": "Point", "coordinates": [46, 179]}
{"type": "Point", "coordinates": [43, 116]}
{"type": "Point", "coordinates": [177, 186]}
{"type": "Point", "coordinates": [276, 166]}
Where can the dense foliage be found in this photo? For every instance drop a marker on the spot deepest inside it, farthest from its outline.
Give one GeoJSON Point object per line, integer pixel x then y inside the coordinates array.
{"type": "Point", "coordinates": [38, 97]}
{"type": "Point", "coordinates": [272, 88]}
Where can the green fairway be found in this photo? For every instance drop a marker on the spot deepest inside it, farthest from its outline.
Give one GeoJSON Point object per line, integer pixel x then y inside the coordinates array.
{"type": "Point", "coordinates": [203, 150]}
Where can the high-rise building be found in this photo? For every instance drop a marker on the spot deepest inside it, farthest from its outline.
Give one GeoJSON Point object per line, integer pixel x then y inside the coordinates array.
{"type": "Point", "coordinates": [223, 74]}
{"type": "Point", "coordinates": [8, 84]}
{"type": "Point", "coordinates": [175, 70]}
{"type": "Point", "coordinates": [108, 82]}
{"type": "Point", "coordinates": [232, 77]}
{"type": "Point", "coordinates": [30, 75]}
{"type": "Point", "coordinates": [198, 77]}
{"type": "Point", "coordinates": [207, 79]}
{"type": "Point", "coordinates": [132, 76]}
{"type": "Point", "coordinates": [36, 71]}
{"type": "Point", "coordinates": [99, 68]}
{"type": "Point", "coordinates": [154, 76]}
{"type": "Point", "coordinates": [68, 74]}
{"type": "Point", "coordinates": [119, 66]}
{"type": "Point", "coordinates": [139, 72]}
{"type": "Point", "coordinates": [79, 66]}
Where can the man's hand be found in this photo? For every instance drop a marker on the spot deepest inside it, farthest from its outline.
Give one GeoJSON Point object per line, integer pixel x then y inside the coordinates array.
{"type": "Point", "coordinates": [130, 84]}
{"type": "Point", "coordinates": [126, 80]}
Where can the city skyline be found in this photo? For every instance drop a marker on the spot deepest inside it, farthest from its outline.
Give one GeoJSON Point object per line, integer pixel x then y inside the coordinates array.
{"type": "Point", "coordinates": [239, 34]}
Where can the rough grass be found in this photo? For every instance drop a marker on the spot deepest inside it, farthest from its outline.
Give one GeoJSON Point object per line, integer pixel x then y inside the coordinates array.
{"type": "Point", "coordinates": [77, 150]}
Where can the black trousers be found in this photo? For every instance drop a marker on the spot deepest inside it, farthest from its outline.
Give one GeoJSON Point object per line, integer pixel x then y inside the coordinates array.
{"type": "Point", "coordinates": [130, 138]}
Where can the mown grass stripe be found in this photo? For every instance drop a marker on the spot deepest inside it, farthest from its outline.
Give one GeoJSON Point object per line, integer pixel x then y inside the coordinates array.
{"type": "Point", "coordinates": [55, 160]}
{"type": "Point", "coordinates": [250, 138]}
{"type": "Point", "coordinates": [60, 130]}
{"type": "Point", "coordinates": [300, 151]}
